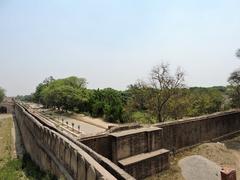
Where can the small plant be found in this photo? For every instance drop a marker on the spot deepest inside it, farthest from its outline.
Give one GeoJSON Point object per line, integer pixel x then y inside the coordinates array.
{"type": "Point", "coordinates": [33, 171]}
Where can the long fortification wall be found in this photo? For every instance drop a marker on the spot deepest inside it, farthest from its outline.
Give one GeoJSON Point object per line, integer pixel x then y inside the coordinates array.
{"type": "Point", "coordinates": [180, 134]}
{"type": "Point", "coordinates": [57, 154]}
{"type": "Point", "coordinates": [133, 149]}
{"type": "Point", "coordinates": [188, 132]}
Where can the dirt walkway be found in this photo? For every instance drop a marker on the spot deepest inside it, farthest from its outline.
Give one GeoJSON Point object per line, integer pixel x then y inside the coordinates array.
{"type": "Point", "coordinates": [94, 121]}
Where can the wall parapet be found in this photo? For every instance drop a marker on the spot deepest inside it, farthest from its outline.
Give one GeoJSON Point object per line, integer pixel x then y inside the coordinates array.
{"type": "Point", "coordinates": [183, 133]}
{"type": "Point", "coordinates": [61, 155]}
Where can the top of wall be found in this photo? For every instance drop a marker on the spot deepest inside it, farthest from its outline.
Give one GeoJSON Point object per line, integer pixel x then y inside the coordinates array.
{"type": "Point", "coordinates": [134, 131]}
{"type": "Point", "coordinates": [199, 118]}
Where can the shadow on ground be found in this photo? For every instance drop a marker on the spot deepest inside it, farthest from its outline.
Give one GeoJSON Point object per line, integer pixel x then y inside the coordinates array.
{"type": "Point", "coordinates": [233, 144]}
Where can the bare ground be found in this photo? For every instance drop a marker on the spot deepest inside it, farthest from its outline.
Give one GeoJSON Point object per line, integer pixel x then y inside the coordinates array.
{"type": "Point", "coordinates": [225, 154]}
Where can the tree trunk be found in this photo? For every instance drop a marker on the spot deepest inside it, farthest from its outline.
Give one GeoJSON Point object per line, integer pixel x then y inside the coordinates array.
{"type": "Point", "coordinates": [159, 117]}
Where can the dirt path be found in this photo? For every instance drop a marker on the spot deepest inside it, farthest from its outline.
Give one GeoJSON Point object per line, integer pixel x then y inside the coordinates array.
{"type": "Point", "coordinates": [94, 121]}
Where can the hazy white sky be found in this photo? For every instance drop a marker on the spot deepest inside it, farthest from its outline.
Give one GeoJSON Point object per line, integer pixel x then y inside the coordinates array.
{"type": "Point", "coordinates": [112, 43]}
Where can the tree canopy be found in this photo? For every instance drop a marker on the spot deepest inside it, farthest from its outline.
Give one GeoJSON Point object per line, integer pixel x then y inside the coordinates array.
{"type": "Point", "coordinates": [2, 94]}
{"type": "Point", "coordinates": [234, 88]}
{"type": "Point", "coordinates": [71, 94]}
{"type": "Point", "coordinates": [164, 97]}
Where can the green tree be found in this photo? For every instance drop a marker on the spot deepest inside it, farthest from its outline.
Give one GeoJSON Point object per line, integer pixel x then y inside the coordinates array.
{"type": "Point", "coordinates": [204, 101]}
{"type": "Point", "coordinates": [107, 103]}
{"type": "Point", "coordinates": [138, 95]}
{"type": "Point", "coordinates": [177, 106]}
{"type": "Point", "coordinates": [234, 81]}
{"type": "Point", "coordinates": [63, 94]}
{"type": "Point", "coordinates": [2, 94]}
{"type": "Point", "coordinates": [164, 86]}
{"type": "Point", "coordinates": [38, 96]}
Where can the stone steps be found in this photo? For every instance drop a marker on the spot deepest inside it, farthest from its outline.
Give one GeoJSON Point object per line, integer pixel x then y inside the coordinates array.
{"type": "Point", "coordinates": [139, 151]}
{"type": "Point", "coordinates": [146, 164]}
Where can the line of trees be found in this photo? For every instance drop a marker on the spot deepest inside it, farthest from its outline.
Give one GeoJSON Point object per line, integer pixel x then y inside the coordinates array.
{"type": "Point", "coordinates": [71, 94]}
{"type": "Point", "coordinates": [164, 97]}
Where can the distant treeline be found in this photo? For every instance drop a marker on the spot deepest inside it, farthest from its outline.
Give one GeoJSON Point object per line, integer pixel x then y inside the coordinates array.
{"type": "Point", "coordinates": [164, 98]}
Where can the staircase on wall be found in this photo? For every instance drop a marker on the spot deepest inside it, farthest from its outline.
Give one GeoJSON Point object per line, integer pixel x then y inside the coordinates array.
{"type": "Point", "coordinates": [139, 151]}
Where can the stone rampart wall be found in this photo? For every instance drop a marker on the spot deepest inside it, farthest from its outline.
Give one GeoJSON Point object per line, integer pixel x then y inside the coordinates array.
{"type": "Point", "coordinates": [55, 153]}
{"type": "Point", "coordinates": [183, 133]}
{"type": "Point", "coordinates": [188, 132]}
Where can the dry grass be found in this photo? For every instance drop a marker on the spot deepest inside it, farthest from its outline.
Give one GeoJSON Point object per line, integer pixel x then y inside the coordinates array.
{"type": "Point", "coordinates": [12, 168]}
{"type": "Point", "coordinates": [5, 139]}
{"type": "Point", "coordinates": [9, 168]}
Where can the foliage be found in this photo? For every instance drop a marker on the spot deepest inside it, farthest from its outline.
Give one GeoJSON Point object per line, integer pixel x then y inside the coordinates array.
{"type": "Point", "coordinates": [177, 106]}
{"type": "Point", "coordinates": [108, 103]}
{"type": "Point", "coordinates": [27, 98]}
{"type": "Point", "coordinates": [64, 94]}
{"type": "Point", "coordinates": [234, 88]}
{"type": "Point", "coordinates": [164, 86]}
{"type": "Point", "coordinates": [14, 168]}
{"type": "Point", "coordinates": [186, 102]}
{"type": "Point", "coordinates": [71, 94]}
{"type": "Point", "coordinates": [138, 95]}
{"type": "Point", "coordinates": [204, 101]}
{"type": "Point", "coordinates": [143, 117]}
{"type": "Point", "coordinates": [2, 94]}
{"type": "Point", "coordinates": [33, 171]}
{"type": "Point", "coordinates": [164, 98]}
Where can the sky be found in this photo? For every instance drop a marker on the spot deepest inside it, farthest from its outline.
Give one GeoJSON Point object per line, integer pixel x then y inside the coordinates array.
{"type": "Point", "coordinates": [113, 43]}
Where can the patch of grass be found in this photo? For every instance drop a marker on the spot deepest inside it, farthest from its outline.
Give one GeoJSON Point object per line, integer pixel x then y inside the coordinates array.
{"type": "Point", "coordinates": [12, 170]}
{"type": "Point", "coordinates": [32, 171]}
{"type": "Point", "coordinates": [16, 169]}
{"type": "Point", "coordinates": [143, 117]}
{"type": "Point", "coordinates": [23, 169]}
{"type": "Point", "coordinates": [5, 139]}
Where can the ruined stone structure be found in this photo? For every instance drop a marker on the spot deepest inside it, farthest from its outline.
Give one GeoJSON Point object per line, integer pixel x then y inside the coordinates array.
{"type": "Point", "coordinates": [7, 105]}
{"type": "Point", "coordinates": [128, 154]}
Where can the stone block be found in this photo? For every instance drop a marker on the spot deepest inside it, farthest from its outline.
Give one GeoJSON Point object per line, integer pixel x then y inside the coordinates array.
{"type": "Point", "coordinates": [91, 174]}
{"type": "Point", "coordinates": [81, 168]}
